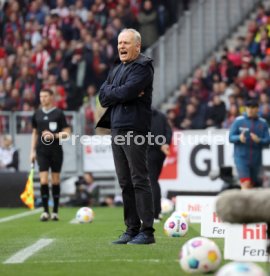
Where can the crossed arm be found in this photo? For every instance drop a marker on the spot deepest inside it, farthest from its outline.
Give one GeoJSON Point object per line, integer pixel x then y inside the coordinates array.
{"type": "Point", "coordinates": [135, 83]}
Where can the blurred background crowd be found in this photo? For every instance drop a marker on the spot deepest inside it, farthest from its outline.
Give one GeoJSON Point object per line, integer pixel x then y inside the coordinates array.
{"type": "Point", "coordinates": [217, 92]}
{"type": "Point", "coordinates": [69, 45]}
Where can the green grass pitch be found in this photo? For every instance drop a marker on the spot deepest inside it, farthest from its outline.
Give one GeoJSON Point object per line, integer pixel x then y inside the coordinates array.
{"type": "Point", "coordinates": [86, 249]}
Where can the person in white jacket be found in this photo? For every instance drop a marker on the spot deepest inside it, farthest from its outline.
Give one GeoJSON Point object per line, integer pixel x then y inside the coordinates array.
{"type": "Point", "coordinates": [9, 155]}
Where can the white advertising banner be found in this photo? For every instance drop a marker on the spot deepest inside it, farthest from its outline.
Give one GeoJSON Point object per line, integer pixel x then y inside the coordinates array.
{"type": "Point", "coordinates": [201, 152]}
{"type": "Point", "coordinates": [193, 155]}
{"type": "Point", "coordinates": [211, 224]}
{"type": "Point", "coordinates": [193, 205]}
{"type": "Point", "coordinates": [97, 154]}
{"type": "Point", "coordinates": [246, 242]}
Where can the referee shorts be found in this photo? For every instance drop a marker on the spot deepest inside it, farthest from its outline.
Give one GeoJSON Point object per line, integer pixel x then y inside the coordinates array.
{"type": "Point", "coordinates": [50, 160]}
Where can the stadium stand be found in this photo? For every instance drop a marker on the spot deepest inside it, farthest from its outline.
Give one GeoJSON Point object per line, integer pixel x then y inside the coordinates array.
{"type": "Point", "coordinates": [217, 91]}
{"type": "Point", "coordinates": [70, 45]}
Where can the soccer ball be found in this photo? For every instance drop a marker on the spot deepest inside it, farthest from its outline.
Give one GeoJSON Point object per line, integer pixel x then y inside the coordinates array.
{"type": "Point", "coordinates": [85, 215]}
{"type": "Point", "coordinates": [199, 255]}
{"type": "Point", "coordinates": [239, 269]}
{"type": "Point", "coordinates": [185, 215]}
{"type": "Point", "coordinates": [175, 226]}
{"type": "Point", "coordinates": [167, 206]}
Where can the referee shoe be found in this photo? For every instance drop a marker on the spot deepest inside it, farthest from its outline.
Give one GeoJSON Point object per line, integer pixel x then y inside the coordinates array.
{"type": "Point", "coordinates": [45, 216]}
{"type": "Point", "coordinates": [54, 217]}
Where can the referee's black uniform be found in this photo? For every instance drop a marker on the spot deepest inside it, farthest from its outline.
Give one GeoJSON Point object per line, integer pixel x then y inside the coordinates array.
{"type": "Point", "coordinates": [49, 152]}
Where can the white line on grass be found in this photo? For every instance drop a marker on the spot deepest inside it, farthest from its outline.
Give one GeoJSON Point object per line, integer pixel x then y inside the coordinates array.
{"type": "Point", "coordinates": [74, 221]}
{"type": "Point", "coordinates": [27, 252]}
{"type": "Point", "coordinates": [109, 260]}
{"type": "Point", "coordinates": [21, 215]}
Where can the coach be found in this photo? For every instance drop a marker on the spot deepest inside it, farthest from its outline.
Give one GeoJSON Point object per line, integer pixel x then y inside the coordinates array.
{"type": "Point", "coordinates": [127, 93]}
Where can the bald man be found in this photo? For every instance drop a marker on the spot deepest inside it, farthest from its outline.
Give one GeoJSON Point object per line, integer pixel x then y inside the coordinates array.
{"type": "Point", "coordinates": [127, 93]}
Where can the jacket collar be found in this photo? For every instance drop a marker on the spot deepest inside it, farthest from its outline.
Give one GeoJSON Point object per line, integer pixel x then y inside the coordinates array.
{"type": "Point", "coordinates": [141, 59]}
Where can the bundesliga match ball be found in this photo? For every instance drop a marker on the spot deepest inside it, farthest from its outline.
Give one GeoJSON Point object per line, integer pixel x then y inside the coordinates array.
{"type": "Point", "coordinates": [175, 226]}
{"type": "Point", "coordinates": [185, 215]}
{"type": "Point", "coordinates": [241, 269]}
{"type": "Point", "coordinates": [85, 215]}
{"type": "Point", "coordinates": [167, 206]}
{"type": "Point", "coordinates": [199, 255]}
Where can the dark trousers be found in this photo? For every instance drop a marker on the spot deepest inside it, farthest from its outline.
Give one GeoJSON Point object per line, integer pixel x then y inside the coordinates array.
{"type": "Point", "coordinates": [155, 162]}
{"type": "Point", "coordinates": [131, 169]}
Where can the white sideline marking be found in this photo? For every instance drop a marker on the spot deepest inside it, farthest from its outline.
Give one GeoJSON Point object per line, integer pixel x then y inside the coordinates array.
{"type": "Point", "coordinates": [27, 252]}
{"type": "Point", "coordinates": [112, 260]}
{"type": "Point", "coordinates": [74, 221]}
{"type": "Point", "coordinates": [21, 215]}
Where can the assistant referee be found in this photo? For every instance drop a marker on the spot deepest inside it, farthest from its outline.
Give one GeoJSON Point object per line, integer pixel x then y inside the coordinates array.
{"type": "Point", "coordinates": [49, 127]}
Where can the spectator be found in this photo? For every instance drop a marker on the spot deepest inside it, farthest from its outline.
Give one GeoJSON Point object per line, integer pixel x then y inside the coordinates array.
{"type": "Point", "coordinates": [193, 119]}
{"type": "Point", "coordinates": [148, 24]}
{"type": "Point", "coordinates": [216, 112]}
{"type": "Point", "coordinates": [171, 117]}
{"type": "Point", "coordinates": [231, 116]}
{"type": "Point", "coordinates": [13, 101]}
{"type": "Point", "coordinates": [78, 74]}
{"type": "Point", "coordinates": [90, 107]}
{"type": "Point", "coordinates": [9, 155]}
{"type": "Point", "coordinates": [24, 121]}
{"type": "Point", "coordinates": [68, 85]}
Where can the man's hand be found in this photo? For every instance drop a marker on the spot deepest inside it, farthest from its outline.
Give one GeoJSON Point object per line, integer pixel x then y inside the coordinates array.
{"type": "Point", "coordinates": [33, 157]}
{"type": "Point", "coordinates": [254, 138]}
{"type": "Point", "coordinates": [186, 123]}
{"type": "Point", "coordinates": [165, 149]}
{"type": "Point", "coordinates": [243, 137]}
{"type": "Point", "coordinates": [141, 94]}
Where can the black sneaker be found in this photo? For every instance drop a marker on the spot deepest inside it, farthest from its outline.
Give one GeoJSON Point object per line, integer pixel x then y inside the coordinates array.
{"type": "Point", "coordinates": [142, 238]}
{"type": "Point", "coordinates": [123, 239]}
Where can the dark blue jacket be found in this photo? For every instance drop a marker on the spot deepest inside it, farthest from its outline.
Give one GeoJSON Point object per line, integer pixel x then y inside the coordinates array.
{"type": "Point", "coordinates": [120, 93]}
{"type": "Point", "coordinates": [249, 152]}
{"type": "Point", "coordinates": [160, 126]}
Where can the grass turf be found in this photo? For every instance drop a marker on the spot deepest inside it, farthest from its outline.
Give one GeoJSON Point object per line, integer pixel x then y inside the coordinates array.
{"type": "Point", "coordinates": [86, 249]}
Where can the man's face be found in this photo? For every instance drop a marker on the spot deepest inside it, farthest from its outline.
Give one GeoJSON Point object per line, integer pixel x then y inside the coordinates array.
{"type": "Point", "coordinates": [128, 47]}
{"type": "Point", "coordinates": [7, 142]}
{"type": "Point", "coordinates": [252, 111]}
{"type": "Point", "coordinates": [46, 99]}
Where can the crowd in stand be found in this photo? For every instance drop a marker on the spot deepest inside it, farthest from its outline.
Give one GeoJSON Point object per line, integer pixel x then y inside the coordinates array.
{"type": "Point", "coordinates": [216, 94]}
{"type": "Point", "coordinates": [68, 45]}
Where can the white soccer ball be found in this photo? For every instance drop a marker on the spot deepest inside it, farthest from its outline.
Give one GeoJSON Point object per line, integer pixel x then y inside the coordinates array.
{"type": "Point", "coordinates": [199, 255]}
{"type": "Point", "coordinates": [241, 269]}
{"type": "Point", "coordinates": [175, 226]}
{"type": "Point", "coordinates": [85, 215]}
{"type": "Point", "coordinates": [167, 206]}
{"type": "Point", "coordinates": [185, 215]}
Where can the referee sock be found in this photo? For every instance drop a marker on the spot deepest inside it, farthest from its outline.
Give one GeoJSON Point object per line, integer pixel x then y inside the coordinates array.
{"type": "Point", "coordinates": [56, 195]}
{"type": "Point", "coordinates": [44, 190]}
